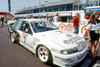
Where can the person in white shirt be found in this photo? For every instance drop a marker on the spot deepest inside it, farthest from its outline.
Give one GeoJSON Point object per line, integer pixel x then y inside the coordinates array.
{"type": "Point", "coordinates": [92, 27]}
{"type": "Point", "coordinates": [86, 20]}
{"type": "Point", "coordinates": [56, 18]}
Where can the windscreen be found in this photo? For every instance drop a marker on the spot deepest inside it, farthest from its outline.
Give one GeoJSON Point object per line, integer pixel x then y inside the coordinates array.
{"type": "Point", "coordinates": [41, 26]}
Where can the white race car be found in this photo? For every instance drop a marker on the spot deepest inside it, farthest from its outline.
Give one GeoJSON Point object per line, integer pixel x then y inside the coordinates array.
{"type": "Point", "coordinates": [48, 43]}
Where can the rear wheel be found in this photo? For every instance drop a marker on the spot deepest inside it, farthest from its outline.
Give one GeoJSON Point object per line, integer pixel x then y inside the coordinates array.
{"type": "Point", "coordinates": [44, 54]}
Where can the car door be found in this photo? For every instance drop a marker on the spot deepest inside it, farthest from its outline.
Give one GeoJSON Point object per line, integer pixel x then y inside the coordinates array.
{"type": "Point", "coordinates": [30, 38]}
{"type": "Point", "coordinates": [27, 36]}
{"type": "Point", "coordinates": [22, 33]}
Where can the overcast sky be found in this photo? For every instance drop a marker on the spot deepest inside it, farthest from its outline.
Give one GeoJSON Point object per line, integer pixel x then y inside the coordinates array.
{"type": "Point", "coordinates": [19, 4]}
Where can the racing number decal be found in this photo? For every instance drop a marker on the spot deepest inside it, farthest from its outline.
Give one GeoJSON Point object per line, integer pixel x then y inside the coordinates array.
{"type": "Point", "coordinates": [24, 37]}
{"type": "Point", "coordinates": [62, 26]}
{"type": "Point", "coordinates": [84, 30]}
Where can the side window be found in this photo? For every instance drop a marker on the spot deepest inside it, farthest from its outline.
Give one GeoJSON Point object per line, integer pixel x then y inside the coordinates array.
{"type": "Point", "coordinates": [14, 26]}
{"type": "Point", "coordinates": [29, 30]}
{"type": "Point", "coordinates": [18, 25]}
{"type": "Point", "coordinates": [26, 28]}
{"type": "Point", "coordinates": [23, 26]}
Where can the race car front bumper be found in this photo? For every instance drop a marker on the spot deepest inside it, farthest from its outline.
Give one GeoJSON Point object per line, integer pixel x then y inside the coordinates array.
{"type": "Point", "coordinates": [70, 59]}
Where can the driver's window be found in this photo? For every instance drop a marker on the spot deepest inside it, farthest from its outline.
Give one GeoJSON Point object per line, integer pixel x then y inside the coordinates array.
{"type": "Point", "coordinates": [26, 28]}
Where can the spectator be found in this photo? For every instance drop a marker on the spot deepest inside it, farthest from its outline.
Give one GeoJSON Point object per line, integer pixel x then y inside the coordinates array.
{"type": "Point", "coordinates": [56, 18]}
{"type": "Point", "coordinates": [93, 35]}
{"type": "Point", "coordinates": [2, 21]}
{"type": "Point", "coordinates": [87, 17]}
{"type": "Point", "coordinates": [86, 20]}
{"type": "Point", "coordinates": [71, 20]}
{"type": "Point", "coordinates": [6, 20]}
{"type": "Point", "coordinates": [76, 24]}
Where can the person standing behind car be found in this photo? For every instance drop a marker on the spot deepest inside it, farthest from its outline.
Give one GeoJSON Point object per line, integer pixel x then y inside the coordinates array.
{"type": "Point", "coordinates": [76, 24]}
{"type": "Point", "coordinates": [85, 22]}
{"type": "Point", "coordinates": [56, 18]}
{"type": "Point", "coordinates": [71, 20]}
{"type": "Point", "coordinates": [2, 21]}
{"type": "Point", "coordinates": [93, 35]}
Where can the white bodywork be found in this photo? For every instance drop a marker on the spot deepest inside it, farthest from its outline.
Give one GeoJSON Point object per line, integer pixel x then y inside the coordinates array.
{"type": "Point", "coordinates": [56, 41]}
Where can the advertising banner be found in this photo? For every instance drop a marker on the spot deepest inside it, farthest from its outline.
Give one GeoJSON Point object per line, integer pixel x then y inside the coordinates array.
{"type": "Point", "coordinates": [92, 2]}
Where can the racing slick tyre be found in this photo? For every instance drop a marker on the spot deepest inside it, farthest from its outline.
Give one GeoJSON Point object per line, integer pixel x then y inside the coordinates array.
{"type": "Point", "coordinates": [44, 55]}
{"type": "Point", "coordinates": [13, 37]}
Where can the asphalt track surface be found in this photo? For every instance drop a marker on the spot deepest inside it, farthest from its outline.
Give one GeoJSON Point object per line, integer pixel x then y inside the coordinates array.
{"type": "Point", "coordinates": [14, 55]}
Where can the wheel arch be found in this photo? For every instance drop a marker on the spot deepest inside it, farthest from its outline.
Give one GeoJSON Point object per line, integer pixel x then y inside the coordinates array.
{"type": "Point", "coordinates": [46, 48]}
{"type": "Point", "coordinates": [17, 35]}
{"type": "Point", "coordinates": [41, 45]}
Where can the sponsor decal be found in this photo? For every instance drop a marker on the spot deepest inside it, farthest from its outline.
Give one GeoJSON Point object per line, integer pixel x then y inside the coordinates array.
{"type": "Point", "coordinates": [24, 34]}
{"type": "Point", "coordinates": [63, 59]}
{"type": "Point", "coordinates": [73, 40]}
{"type": "Point", "coordinates": [68, 35]}
{"type": "Point", "coordinates": [62, 26]}
{"type": "Point", "coordinates": [59, 31]}
{"type": "Point", "coordinates": [67, 27]}
{"type": "Point", "coordinates": [66, 42]}
{"type": "Point", "coordinates": [24, 37]}
{"type": "Point", "coordinates": [84, 30]}
{"type": "Point", "coordinates": [79, 43]}
{"type": "Point", "coordinates": [78, 57]}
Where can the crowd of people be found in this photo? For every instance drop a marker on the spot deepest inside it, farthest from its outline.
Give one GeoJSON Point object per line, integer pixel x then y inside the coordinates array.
{"type": "Point", "coordinates": [7, 21]}
{"type": "Point", "coordinates": [3, 21]}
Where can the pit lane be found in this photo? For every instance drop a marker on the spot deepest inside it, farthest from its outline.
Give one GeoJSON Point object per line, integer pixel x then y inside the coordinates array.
{"type": "Point", "coordinates": [14, 55]}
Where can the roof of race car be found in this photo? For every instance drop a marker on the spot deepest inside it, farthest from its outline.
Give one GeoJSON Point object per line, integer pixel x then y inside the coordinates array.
{"type": "Point", "coordinates": [29, 20]}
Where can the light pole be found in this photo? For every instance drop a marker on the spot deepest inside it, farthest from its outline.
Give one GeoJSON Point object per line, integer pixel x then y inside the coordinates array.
{"type": "Point", "coordinates": [39, 2]}
{"type": "Point", "coordinates": [9, 5]}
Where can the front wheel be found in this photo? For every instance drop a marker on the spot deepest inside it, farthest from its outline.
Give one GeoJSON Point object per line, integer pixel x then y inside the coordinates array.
{"type": "Point", "coordinates": [44, 54]}
{"type": "Point", "coordinates": [13, 37]}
